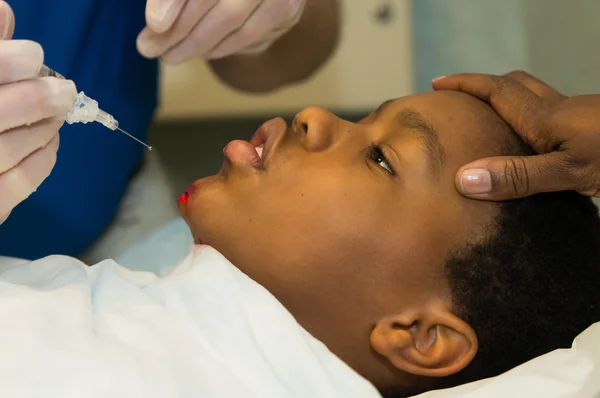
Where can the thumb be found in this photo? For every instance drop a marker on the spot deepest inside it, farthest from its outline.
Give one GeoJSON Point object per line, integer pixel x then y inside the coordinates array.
{"type": "Point", "coordinates": [512, 177]}
{"type": "Point", "coordinates": [7, 21]}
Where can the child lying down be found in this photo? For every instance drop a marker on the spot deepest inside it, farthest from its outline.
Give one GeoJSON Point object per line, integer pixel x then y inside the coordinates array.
{"type": "Point", "coordinates": [359, 271]}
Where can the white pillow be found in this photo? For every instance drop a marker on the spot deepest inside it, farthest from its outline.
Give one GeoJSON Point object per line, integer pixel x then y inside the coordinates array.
{"type": "Point", "coordinates": [565, 373]}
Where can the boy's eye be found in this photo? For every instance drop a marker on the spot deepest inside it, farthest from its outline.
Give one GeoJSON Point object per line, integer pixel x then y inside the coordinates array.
{"type": "Point", "coordinates": [377, 156]}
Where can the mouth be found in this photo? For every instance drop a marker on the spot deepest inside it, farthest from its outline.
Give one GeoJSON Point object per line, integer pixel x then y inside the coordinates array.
{"type": "Point", "coordinates": [252, 155]}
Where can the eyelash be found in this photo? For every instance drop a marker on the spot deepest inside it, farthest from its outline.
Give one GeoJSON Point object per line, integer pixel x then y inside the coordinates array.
{"type": "Point", "coordinates": [376, 155]}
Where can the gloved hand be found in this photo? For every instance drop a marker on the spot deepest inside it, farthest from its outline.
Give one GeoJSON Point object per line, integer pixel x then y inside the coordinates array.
{"type": "Point", "coordinates": [31, 112]}
{"type": "Point", "coordinates": [565, 131]}
{"type": "Point", "coordinates": [180, 29]}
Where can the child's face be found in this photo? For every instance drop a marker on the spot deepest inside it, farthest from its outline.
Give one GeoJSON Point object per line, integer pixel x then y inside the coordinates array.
{"type": "Point", "coordinates": [325, 226]}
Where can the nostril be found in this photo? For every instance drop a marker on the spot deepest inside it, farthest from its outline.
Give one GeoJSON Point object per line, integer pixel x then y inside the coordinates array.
{"type": "Point", "coordinates": [300, 125]}
{"type": "Point", "coordinates": [304, 127]}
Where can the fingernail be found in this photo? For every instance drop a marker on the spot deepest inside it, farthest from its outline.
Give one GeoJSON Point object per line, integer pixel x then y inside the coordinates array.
{"type": "Point", "coordinates": [476, 181]}
{"type": "Point", "coordinates": [438, 78]}
{"type": "Point", "coordinates": [158, 10]}
{"type": "Point", "coordinates": [7, 21]}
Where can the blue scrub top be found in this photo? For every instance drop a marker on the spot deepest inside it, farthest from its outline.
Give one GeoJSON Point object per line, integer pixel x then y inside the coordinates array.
{"type": "Point", "coordinates": [93, 43]}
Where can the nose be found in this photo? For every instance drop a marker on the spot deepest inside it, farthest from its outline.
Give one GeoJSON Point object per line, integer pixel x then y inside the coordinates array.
{"type": "Point", "coordinates": [318, 126]}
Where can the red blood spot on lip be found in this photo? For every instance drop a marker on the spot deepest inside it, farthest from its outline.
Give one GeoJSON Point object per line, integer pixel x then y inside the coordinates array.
{"type": "Point", "coordinates": [184, 198]}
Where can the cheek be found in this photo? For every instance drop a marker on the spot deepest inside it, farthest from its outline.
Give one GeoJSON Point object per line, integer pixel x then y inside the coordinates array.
{"type": "Point", "coordinates": [319, 207]}
{"type": "Point", "coordinates": [309, 222]}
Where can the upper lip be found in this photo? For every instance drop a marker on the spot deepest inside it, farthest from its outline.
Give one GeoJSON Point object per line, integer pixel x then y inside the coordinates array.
{"type": "Point", "coordinates": [266, 135]}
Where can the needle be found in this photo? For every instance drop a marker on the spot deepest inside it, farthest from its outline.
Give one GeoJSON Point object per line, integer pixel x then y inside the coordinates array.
{"type": "Point", "coordinates": [130, 136]}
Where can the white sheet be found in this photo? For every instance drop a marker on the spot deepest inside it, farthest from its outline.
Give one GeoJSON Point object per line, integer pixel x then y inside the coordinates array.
{"type": "Point", "coordinates": [573, 373]}
{"type": "Point", "coordinates": [202, 329]}
{"type": "Point", "coordinates": [205, 330]}
{"type": "Point", "coordinates": [567, 373]}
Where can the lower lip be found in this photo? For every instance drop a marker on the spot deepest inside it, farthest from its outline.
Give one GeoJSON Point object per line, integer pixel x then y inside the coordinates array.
{"type": "Point", "coordinates": [184, 198]}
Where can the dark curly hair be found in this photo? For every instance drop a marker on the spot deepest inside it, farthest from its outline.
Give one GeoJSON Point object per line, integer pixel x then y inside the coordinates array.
{"type": "Point", "coordinates": [529, 288]}
{"type": "Point", "coordinates": [532, 286]}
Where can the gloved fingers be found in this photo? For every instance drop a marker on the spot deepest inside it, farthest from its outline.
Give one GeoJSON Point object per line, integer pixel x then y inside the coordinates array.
{"type": "Point", "coordinates": [19, 60]}
{"type": "Point", "coordinates": [28, 151]}
{"type": "Point", "coordinates": [292, 12]}
{"type": "Point", "coordinates": [224, 18]}
{"type": "Point", "coordinates": [3, 218]}
{"type": "Point", "coordinates": [7, 21]}
{"type": "Point", "coordinates": [260, 30]}
{"type": "Point", "coordinates": [18, 143]}
{"type": "Point", "coordinates": [151, 44]}
{"type": "Point", "coordinates": [161, 14]}
{"type": "Point", "coordinates": [21, 181]}
{"type": "Point", "coordinates": [30, 101]}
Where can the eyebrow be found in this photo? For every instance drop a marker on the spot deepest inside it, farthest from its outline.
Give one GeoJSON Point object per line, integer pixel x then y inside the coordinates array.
{"type": "Point", "coordinates": [425, 133]}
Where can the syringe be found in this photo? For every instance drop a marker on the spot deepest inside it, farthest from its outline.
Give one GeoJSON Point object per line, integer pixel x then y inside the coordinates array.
{"type": "Point", "coordinates": [85, 109]}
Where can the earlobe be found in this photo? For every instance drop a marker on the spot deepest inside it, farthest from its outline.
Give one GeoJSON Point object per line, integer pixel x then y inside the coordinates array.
{"type": "Point", "coordinates": [433, 343]}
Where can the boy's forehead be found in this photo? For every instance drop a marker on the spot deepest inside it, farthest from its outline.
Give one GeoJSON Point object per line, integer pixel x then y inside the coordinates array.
{"type": "Point", "coordinates": [454, 115]}
{"type": "Point", "coordinates": [441, 106]}
{"type": "Point", "coordinates": [465, 127]}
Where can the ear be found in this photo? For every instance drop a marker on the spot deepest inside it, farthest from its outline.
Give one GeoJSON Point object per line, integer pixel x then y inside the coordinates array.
{"type": "Point", "coordinates": [429, 342]}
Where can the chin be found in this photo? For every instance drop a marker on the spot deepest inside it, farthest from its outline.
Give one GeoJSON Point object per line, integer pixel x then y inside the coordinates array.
{"type": "Point", "coordinates": [201, 206]}
{"type": "Point", "coordinates": [209, 204]}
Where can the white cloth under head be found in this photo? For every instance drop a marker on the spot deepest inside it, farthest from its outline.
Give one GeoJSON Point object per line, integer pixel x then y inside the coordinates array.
{"type": "Point", "coordinates": [204, 330]}
{"type": "Point", "coordinates": [564, 373]}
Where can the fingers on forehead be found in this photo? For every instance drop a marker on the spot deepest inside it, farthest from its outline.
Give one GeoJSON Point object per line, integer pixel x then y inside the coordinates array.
{"type": "Point", "coordinates": [484, 86]}
{"type": "Point", "coordinates": [515, 103]}
{"type": "Point", "coordinates": [534, 84]}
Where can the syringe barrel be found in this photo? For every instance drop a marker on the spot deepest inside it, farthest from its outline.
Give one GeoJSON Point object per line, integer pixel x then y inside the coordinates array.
{"type": "Point", "coordinates": [45, 71]}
